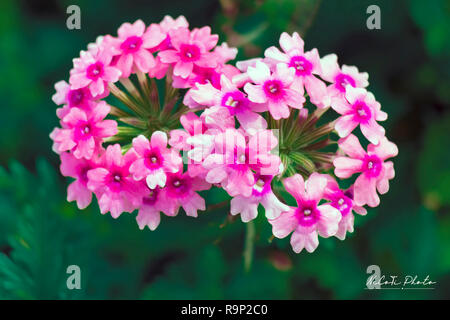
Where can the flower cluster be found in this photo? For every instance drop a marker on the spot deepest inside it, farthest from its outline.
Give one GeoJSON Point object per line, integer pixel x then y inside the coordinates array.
{"type": "Point", "coordinates": [156, 114]}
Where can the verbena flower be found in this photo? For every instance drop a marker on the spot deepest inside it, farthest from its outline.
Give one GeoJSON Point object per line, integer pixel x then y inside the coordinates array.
{"type": "Point", "coordinates": [273, 89]}
{"type": "Point", "coordinates": [154, 117]}
{"type": "Point", "coordinates": [308, 219]}
{"type": "Point", "coordinates": [375, 172]}
{"type": "Point", "coordinates": [154, 159]}
{"type": "Point", "coordinates": [359, 108]}
{"type": "Point", "coordinates": [305, 64]}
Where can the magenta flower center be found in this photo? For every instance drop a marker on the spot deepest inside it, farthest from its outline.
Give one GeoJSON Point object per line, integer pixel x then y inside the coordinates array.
{"type": "Point", "coordinates": [83, 131]}
{"type": "Point", "coordinates": [153, 159]}
{"type": "Point", "coordinates": [262, 185]}
{"type": "Point", "coordinates": [234, 101]}
{"type": "Point", "coordinates": [342, 80]}
{"type": "Point", "coordinates": [76, 97]}
{"type": "Point", "coordinates": [131, 44]}
{"type": "Point", "coordinates": [302, 66]}
{"type": "Point", "coordinates": [362, 111]}
{"type": "Point", "coordinates": [95, 71]}
{"type": "Point", "coordinates": [273, 89]}
{"type": "Point", "coordinates": [151, 198]}
{"type": "Point", "coordinates": [372, 166]}
{"type": "Point", "coordinates": [307, 214]}
{"type": "Point", "coordinates": [178, 186]}
{"type": "Point", "coordinates": [189, 52]}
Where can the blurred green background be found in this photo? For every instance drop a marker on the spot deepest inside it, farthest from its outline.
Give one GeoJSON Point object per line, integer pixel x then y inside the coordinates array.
{"type": "Point", "coordinates": [409, 233]}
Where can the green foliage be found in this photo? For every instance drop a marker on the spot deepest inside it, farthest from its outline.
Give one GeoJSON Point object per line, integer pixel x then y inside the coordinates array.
{"type": "Point", "coordinates": [40, 240]}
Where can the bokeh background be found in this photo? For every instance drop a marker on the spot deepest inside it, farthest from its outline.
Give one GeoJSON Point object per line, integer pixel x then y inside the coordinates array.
{"type": "Point", "coordinates": [409, 233]}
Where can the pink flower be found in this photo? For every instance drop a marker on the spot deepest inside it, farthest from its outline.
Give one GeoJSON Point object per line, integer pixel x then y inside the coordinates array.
{"type": "Point", "coordinates": [134, 44]}
{"type": "Point", "coordinates": [308, 219]}
{"type": "Point", "coordinates": [198, 135]}
{"type": "Point", "coordinates": [154, 159]}
{"type": "Point", "coordinates": [234, 100]}
{"type": "Point", "coordinates": [150, 209]}
{"type": "Point", "coordinates": [306, 65]}
{"type": "Point", "coordinates": [78, 169]}
{"type": "Point", "coordinates": [113, 184]}
{"type": "Point", "coordinates": [190, 48]}
{"type": "Point", "coordinates": [181, 191]}
{"type": "Point", "coordinates": [341, 77]}
{"type": "Point", "coordinates": [78, 98]}
{"type": "Point", "coordinates": [273, 89]}
{"type": "Point", "coordinates": [202, 75]}
{"type": "Point", "coordinates": [359, 108]}
{"type": "Point", "coordinates": [343, 201]}
{"type": "Point", "coordinates": [83, 131]}
{"type": "Point", "coordinates": [92, 70]}
{"type": "Point", "coordinates": [233, 161]}
{"type": "Point", "coordinates": [261, 194]}
{"type": "Point", "coordinates": [375, 172]}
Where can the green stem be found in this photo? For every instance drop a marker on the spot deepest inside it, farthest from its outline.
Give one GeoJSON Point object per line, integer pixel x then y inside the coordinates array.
{"type": "Point", "coordinates": [249, 245]}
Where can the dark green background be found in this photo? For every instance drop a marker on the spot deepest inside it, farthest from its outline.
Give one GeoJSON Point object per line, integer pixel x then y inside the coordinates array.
{"type": "Point", "coordinates": [408, 234]}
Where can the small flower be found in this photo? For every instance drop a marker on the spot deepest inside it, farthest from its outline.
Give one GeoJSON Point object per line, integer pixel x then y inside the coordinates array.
{"type": "Point", "coordinates": [154, 159]}
{"type": "Point", "coordinates": [77, 98]}
{"type": "Point", "coordinates": [77, 169]}
{"type": "Point", "coordinates": [134, 44]}
{"type": "Point", "coordinates": [167, 24]}
{"type": "Point", "coordinates": [359, 108]}
{"type": "Point", "coordinates": [261, 194]}
{"type": "Point", "coordinates": [234, 100]}
{"type": "Point", "coordinates": [273, 89]}
{"type": "Point", "coordinates": [190, 48]}
{"type": "Point", "coordinates": [306, 65]}
{"type": "Point", "coordinates": [92, 70]}
{"type": "Point", "coordinates": [343, 201]}
{"type": "Point", "coordinates": [341, 77]}
{"type": "Point", "coordinates": [375, 172]}
{"type": "Point", "coordinates": [181, 191]}
{"type": "Point", "coordinates": [233, 161]}
{"type": "Point", "coordinates": [113, 184]}
{"type": "Point", "coordinates": [308, 219]}
{"type": "Point", "coordinates": [83, 131]}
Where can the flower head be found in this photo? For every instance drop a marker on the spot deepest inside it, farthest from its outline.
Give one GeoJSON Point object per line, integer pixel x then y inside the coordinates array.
{"type": "Point", "coordinates": [375, 171]}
